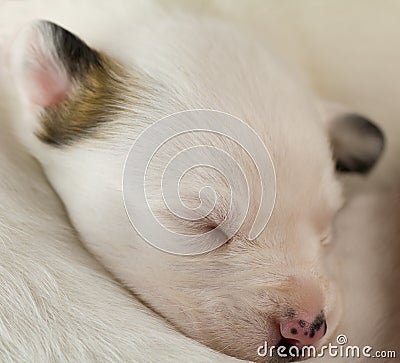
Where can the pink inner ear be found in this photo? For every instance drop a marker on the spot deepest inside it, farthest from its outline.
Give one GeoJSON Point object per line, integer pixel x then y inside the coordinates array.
{"type": "Point", "coordinates": [47, 85]}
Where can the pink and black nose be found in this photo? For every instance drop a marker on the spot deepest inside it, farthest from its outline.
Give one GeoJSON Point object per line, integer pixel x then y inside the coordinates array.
{"type": "Point", "coordinates": [301, 332]}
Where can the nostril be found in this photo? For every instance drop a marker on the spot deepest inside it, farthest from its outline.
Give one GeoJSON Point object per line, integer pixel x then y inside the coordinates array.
{"type": "Point", "coordinates": [301, 332]}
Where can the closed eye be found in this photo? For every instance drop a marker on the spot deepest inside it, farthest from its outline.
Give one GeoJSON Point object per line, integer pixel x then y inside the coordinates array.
{"type": "Point", "coordinates": [326, 238]}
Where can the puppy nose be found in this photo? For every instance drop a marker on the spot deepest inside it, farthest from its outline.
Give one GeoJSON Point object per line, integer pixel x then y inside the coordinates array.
{"type": "Point", "coordinates": [300, 332]}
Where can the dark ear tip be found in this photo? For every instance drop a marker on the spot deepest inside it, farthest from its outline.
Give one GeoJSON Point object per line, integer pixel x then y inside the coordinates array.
{"type": "Point", "coordinates": [75, 54]}
{"type": "Point", "coordinates": [366, 126]}
{"type": "Point", "coordinates": [358, 144]}
{"type": "Point", "coordinates": [359, 167]}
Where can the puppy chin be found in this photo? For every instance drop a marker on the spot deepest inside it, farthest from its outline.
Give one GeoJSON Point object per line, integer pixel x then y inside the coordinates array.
{"type": "Point", "coordinates": [93, 108]}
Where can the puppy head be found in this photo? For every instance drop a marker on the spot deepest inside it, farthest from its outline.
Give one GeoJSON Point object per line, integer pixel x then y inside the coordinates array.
{"type": "Point", "coordinates": [83, 109]}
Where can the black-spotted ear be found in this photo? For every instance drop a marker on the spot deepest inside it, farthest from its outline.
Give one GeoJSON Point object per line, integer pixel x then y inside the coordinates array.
{"type": "Point", "coordinates": [48, 60]}
{"type": "Point", "coordinates": [357, 142]}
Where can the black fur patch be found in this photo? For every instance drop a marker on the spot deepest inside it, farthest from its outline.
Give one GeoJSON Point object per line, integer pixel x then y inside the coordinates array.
{"type": "Point", "coordinates": [357, 143]}
{"type": "Point", "coordinates": [75, 54]}
{"type": "Point", "coordinates": [100, 89]}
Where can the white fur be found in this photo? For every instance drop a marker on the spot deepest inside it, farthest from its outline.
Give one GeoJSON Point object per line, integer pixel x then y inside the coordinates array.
{"type": "Point", "coordinates": [350, 266]}
{"type": "Point", "coordinates": [230, 300]}
{"type": "Point", "coordinates": [350, 55]}
{"type": "Point", "coordinates": [57, 303]}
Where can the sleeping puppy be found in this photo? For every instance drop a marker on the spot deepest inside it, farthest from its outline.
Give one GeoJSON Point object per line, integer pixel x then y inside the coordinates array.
{"type": "Point", "coordinates": [84, 106]}
{"type": "Point", "coordinates": [57, 303]}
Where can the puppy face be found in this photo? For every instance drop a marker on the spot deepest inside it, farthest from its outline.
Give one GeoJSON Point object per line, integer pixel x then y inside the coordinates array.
{"type": "Point", "coordinates": [83, 109]}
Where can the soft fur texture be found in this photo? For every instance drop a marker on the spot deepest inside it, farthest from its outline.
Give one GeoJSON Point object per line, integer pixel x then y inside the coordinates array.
{"type": "Point", "coordinates": [246, 292]}
{"type": "Point", "coordinates": [349, 293]}
{"type": "Point", "coordinates": [366, 260]}
{"type": "Point", "coordinates": [57, 303]}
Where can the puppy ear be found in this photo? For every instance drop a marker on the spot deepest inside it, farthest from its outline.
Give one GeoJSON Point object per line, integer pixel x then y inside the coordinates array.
{"type": "Point", "coordinates": [357, 142]}
{"type": "Point", "coordinates": [48, 61]}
